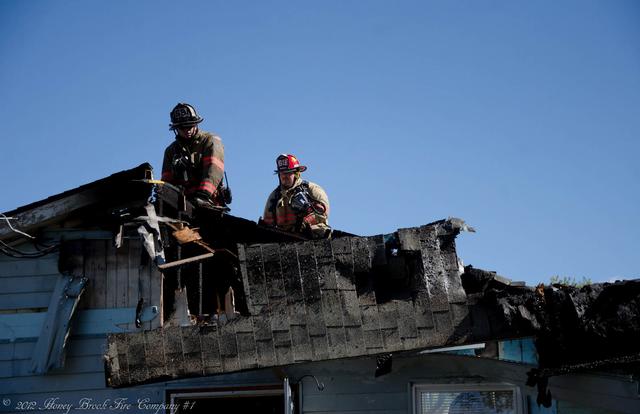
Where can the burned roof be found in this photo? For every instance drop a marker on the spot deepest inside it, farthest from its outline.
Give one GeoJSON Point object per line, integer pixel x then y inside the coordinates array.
{"type": "Point", "coordinates": [358, 296]}
{"type": "Point", "coordinates": [316, 300]}
{"type": "Point", "coordinates": [125, 188]}
{"type": "Point", "coordinates": [348, 296]}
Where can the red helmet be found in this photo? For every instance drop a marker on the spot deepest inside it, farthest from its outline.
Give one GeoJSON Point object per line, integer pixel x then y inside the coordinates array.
{"type": "Point", "coordinates": [286, 163]}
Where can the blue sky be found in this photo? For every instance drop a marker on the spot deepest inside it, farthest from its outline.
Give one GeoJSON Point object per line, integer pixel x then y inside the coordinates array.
{"type": "Point", "coordinates": [521, 117]}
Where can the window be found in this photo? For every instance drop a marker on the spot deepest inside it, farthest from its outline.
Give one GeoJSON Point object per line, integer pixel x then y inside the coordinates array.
{"type": "Point", "coordinates": [269, 399]}
{"type": "Point", "coordinates": [466, 398]}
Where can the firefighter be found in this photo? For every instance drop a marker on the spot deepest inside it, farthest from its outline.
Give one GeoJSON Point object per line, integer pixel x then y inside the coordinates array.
{"type": "Point", "coordinates": [297, 205]}
{"type": "Point", "coordinates": [195, 160]}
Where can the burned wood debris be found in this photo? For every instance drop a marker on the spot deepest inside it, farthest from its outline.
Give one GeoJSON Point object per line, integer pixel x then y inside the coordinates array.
{"type": "Point", "coordinates": [595, 327]}
{"type": "Point", "coordinates": [595, 324]}
{"type": "Point", "coordinates": [354, 296]}
{"type": "Point", "coordinates": [316, 300]}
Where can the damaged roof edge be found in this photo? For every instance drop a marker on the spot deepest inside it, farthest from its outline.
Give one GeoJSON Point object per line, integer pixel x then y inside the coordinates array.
{"type": "Point", "coordinates": [314, 301]}
{"type": "Point", "coordinates": [358, 296]}
{"type": "Point", "coordinates": [49, 209]}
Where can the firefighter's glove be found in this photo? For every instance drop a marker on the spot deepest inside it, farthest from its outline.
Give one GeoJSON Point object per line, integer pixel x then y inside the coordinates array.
{"type": "Point", "coordinates": [181, 167]}
{"type": "Point", "coordinates": [310, 220]}
{"type": "Point", "coordinates": [300, 202]}
{"type": "Point", "coordinates": [203, 195]}
{"type": "Point", "coordinates": [201, 199]}
{"type": "Point", "coordinates": [181, 162]}
{"type": "Point", "coordinates": [313, 229]}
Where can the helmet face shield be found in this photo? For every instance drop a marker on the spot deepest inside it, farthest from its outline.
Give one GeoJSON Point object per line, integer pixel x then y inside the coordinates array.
{"type": "Point", "coordinates": [184, 116]}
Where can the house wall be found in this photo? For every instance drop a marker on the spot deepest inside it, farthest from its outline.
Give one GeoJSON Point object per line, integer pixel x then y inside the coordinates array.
{"type": "Point", "coordinates": [351, 386]}
{"type": "Point", "coordinates": [27, 283]}
{"type": "Point", "coordinates": [117, 279]}
{"type": "Point", "coordinates": [82, 377]}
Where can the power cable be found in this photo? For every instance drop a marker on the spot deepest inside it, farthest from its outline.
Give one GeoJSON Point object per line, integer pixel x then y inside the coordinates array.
{"type": "Point", "coordinates": [19, 254]}
{"type": "Point", "coordinates": [14, 229]}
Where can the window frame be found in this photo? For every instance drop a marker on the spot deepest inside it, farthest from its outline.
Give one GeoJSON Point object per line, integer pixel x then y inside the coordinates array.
{"type": "Point", "coordinates": [223, 391]}
{"type": "Point", "coordinates": [416, 388]}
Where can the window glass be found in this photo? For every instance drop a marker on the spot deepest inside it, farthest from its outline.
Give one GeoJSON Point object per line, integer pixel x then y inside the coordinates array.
{"type": "Point", "coordinates": [466, 399]}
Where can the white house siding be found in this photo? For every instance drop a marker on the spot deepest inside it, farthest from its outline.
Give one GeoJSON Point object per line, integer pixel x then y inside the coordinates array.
{"type": "Point", "coordinates": [117, 278]}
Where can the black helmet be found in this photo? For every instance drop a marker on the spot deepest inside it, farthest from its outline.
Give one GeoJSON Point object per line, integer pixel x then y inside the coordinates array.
{"type": "Point", "coordinates": [184, 114]}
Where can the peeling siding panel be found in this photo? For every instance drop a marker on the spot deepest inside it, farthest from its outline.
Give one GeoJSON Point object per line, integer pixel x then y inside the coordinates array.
{"type": "Point", "coordinates": [50, 347]}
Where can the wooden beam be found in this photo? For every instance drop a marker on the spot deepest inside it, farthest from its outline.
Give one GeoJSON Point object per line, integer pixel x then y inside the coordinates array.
{"type": "Point", "coordinates": [186, 261]}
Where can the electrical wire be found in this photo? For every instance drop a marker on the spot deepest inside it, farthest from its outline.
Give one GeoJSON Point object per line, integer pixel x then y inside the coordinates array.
{"type": "Point", "coordinates": [12, 228]}
{"type": "Point", "coordinates": [19, 254]}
